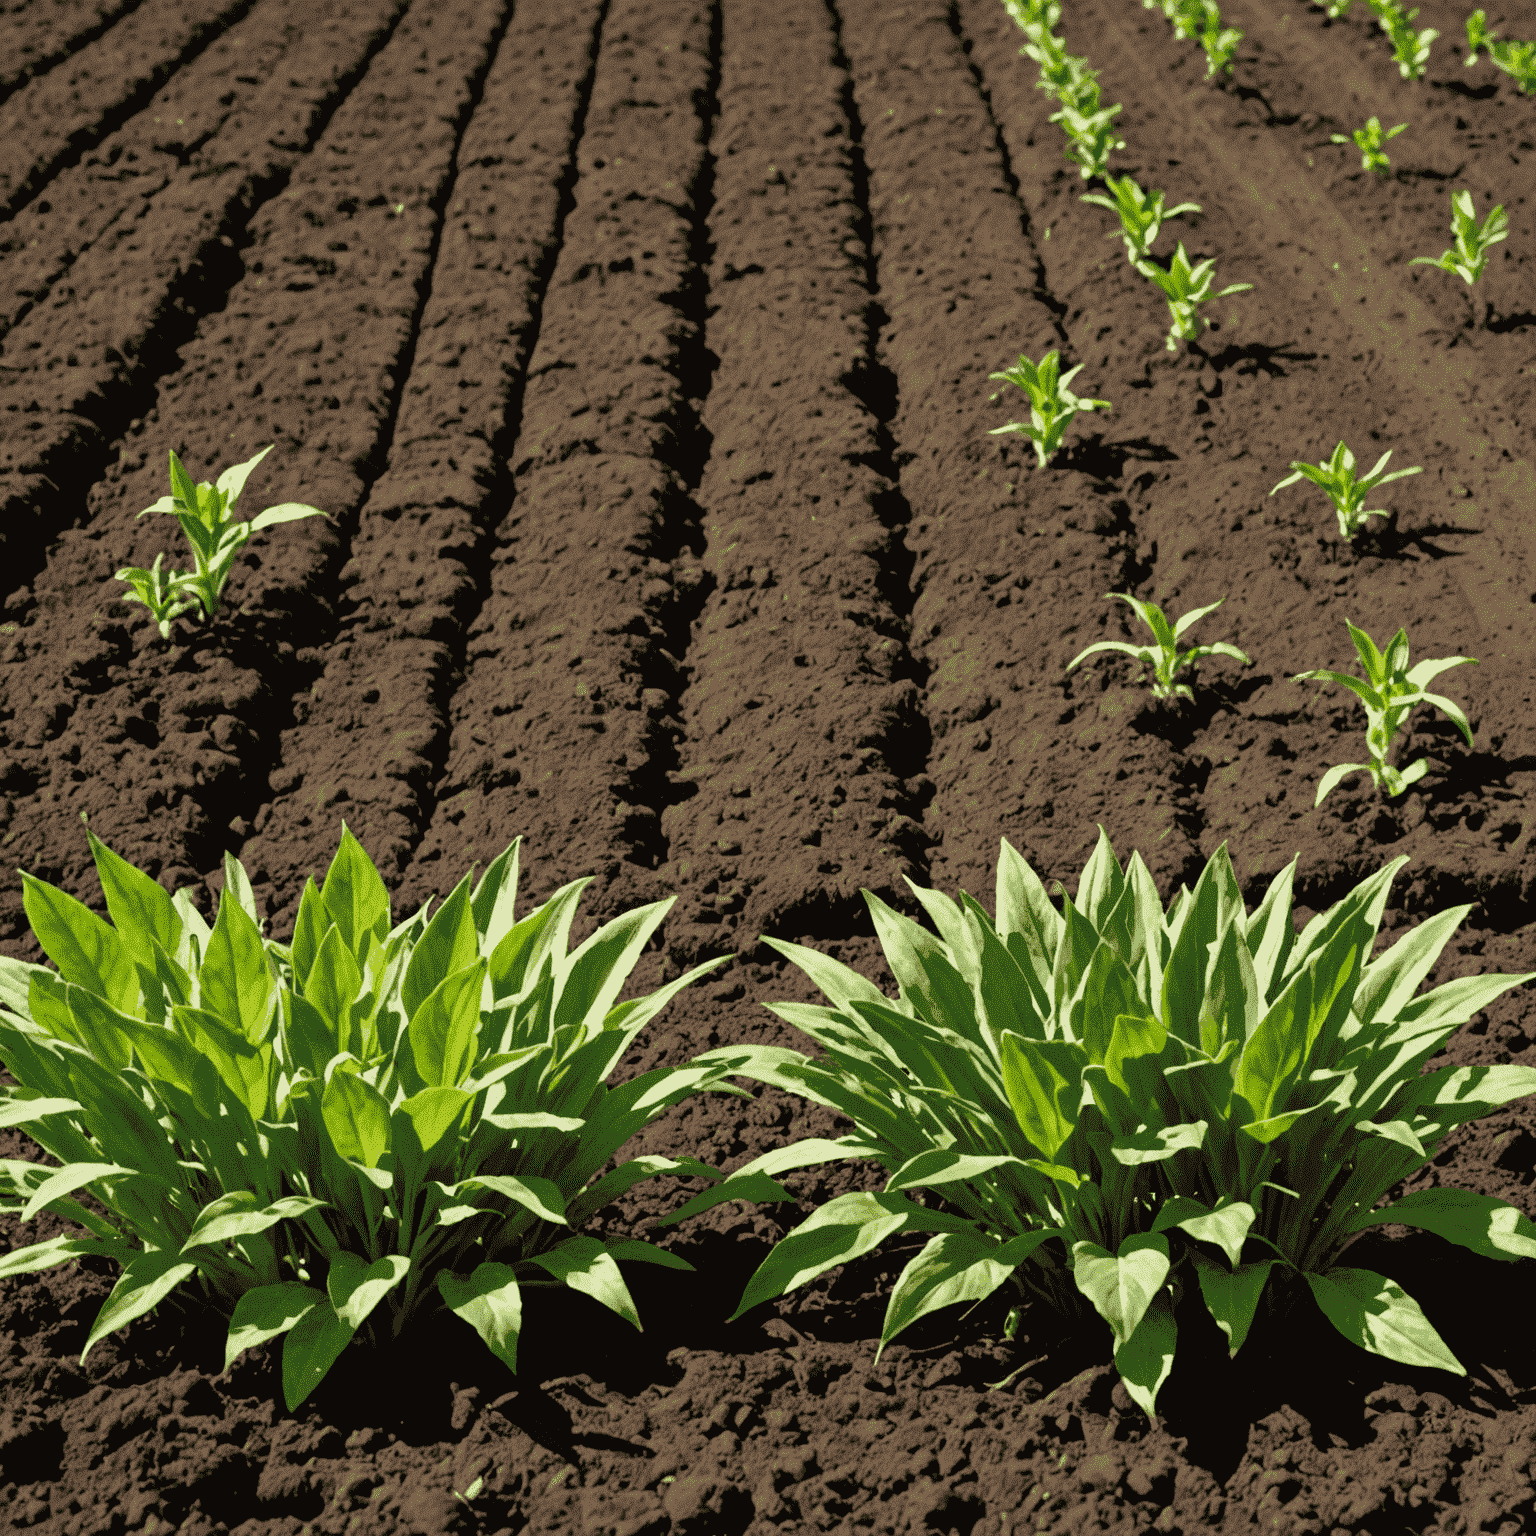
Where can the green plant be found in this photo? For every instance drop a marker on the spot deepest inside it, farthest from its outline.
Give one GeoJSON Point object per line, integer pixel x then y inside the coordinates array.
{"type": "Point", "coordinates": [1389, 692]}
{"type": "Point", "coordinates": [1518, 60]}
{"type": "Point", "coordinates": [1369, 140]}
{"type": "Point", "coordinates": [1113, 1102]}
{"type": "Point", "coordinates": [215, 539]}
{"type": "Point", "coordinates": [1337, 477]}
{"type": "Point", "coordinates": [1469, 256]}
{"type": "Point", "coordinates": [1186, 288]}
{"type": "Point", "coordinates": [1409, 48]}
{"type": "Point", "coordinates": [1201, 20]}
{"type": "Point", "coordinates": [1051, 404]}
{"type": "Point", "coordinates": [1165, 656]}
{"type": "Point", "coordinates": [1092, 137]}
{"type": "Point", "coordinates": [1141, 214]}
{"type": "Point", "coordinates": [411, 1115]}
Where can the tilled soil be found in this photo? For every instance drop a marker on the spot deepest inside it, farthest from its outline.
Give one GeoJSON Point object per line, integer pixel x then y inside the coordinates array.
{"type": "Point", "coordinates": [639, 352]}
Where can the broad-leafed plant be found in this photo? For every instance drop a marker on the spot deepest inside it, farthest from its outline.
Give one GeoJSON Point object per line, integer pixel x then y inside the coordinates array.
{"type": "Point", "coordinates": [1369, 141]}
{"type": "Point", "coordinates": [215, 537]}
{"type": "Point", "coordinates": [1469, 256]}
{"type": "Point", "coordinates": [1141, 214]}
{"type": "Point", "coordinates": [1186, 288]}
{"type": "Point", "coordinates": [1114, 1103]}
{"type": "Point", "coordinates": [1052, 405]}
{"type": "Point", "coordinates": [1165, 657]}
{"type": "Point", "coordinates": [1336, 475]}
{"type": "Point", "coordinates": [413, 1116]}
{"type": "Point", "coordinates": [1388, 693]}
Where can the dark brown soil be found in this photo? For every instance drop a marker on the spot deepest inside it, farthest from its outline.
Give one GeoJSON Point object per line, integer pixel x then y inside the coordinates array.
{"type": "Point", "coordinates": [639, 350]}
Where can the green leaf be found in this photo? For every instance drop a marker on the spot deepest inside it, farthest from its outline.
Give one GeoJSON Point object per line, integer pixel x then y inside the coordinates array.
{"type": "Point", "coordinates": [1122, 1286]}
{"type": "Point", "coordinates": [144, 1283]}
{"type": "Point", "coordinates": [541, 1196]}
{"type": "Point", "coordinates": [1026, 921]}
{"type": "Point", "coordinates": [354, 895]}
{"type": "Point", "coordinates": [941, 1165]}
{"type": "Point", "coordinates": [952, 1267]}
{"type": "Point", "coordinates": [592, 977]}
{"type": "Point", "coordinates": [444, 1025]}
{"type": "Point", "coordinates": [138, 906]}
{"type": "Point", "coordinates": [1100, 885]}
{"type": "Point", "coordinates": [1273, 1058]}
{"type": "Point", "coordinates": [448, 947]}
{"type": "Point", "coordinates": [235, 980]}
{"type": "Point", "coordinates": [248, 1071]}
{"type": "Point", "coordinates": [1106, 993]}
{"type": "Point", "coordinates": [57, 1250]}
{"type": "Point", "coordinates": [1226, 1225]}
{"type": "Point", "coordinates": [1145, 1360]}
{"type": "Point", "coordinates": [430, 1115]}
{"type": "Point", "coordinates": [1270, 934]}
{"type": "Point", "coordinates": [240, 1213]}
{"type": "Point", "coordinates": [1232, 1296]}
{"type": "Point", "coordinates": [839, 1231]}
{"type": "Point", "coordinates": [87, 951]}
{"type": "Point", "coordinates": [1377, 1314]}
{"type": "Point", "coordinates": [356, 1117]}
{"type": "Point", "coordinates": [585, 1265]}
{"type": "Point", "coordinates": [1490, 1227]}
{"type": "Point", "coordinates": [1043, 1081]}
{"type": "Point", "coordinates": [491, 1303]}
{"type": "Point", "coordinates": [543, 933]}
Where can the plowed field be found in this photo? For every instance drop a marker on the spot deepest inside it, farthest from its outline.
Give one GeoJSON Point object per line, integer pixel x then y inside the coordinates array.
{"type": "Point", "coordinates": [638, 352]}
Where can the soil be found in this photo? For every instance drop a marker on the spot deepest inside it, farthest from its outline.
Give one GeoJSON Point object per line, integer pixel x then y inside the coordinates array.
{"type": "Point", "coordinates": [639, 352]}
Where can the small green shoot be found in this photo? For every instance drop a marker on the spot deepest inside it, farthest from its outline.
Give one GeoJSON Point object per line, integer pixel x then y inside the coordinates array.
{"type": "Point", "coordinates": [1337, 477]}
{"type": "Point", "coordinates": [1186, 288]}
{"type": "Point", "coordinates": [215, 539]}
{"type": "Point", "coordinates": [1469, 256]}
{"type": "Point", "coordinates": [1517, 60]}
{"type": "Point", "coordinates": [1141, 214]}
{"type": "Point", "coordinates": [1369, 140]}
{"type": "Point", "coordinates": [1409, 48]}
{"type": "Point", "coordinates": [1051, 404]}
{"type": "Point", "coordinates": [1389, 692]}
{"type": "Point", "coordinates": [1165, 657]}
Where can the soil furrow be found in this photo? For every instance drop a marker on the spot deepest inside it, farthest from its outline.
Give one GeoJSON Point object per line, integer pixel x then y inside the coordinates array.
{"type": "Point", "coordinates": [82, 366]}
{"type": "Point", "coordinates": [996, 542]}
{"type": "Point", "coordinates": [35, 37]}
{"type": "Point", "coordinates": [801, 698]}
{"type": "Point", "coordinates": [310, 300]}
{"type": "Point", "coordinates": [376, 729]}
{"type": "Point", "coordinates": [58, 116]}
{"type": "Point", "coordinates": [564, 697]}
{"type": "Point", "coordinates": [224, 107]}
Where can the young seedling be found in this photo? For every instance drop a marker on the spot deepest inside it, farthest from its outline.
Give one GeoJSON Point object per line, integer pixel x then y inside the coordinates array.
{"type": "Point", "coordinates": [1051, 404]}
{"type": "Point", "coordinates": [1201, 19]}
{"type": "Point", "coordinates": [1337, 477]}
{"type": "Point", "coordinates": [1141, 214]}
{"type": "Point", "coordinates": [1409, 48]}
{"type": "Point", "coordinates": [1389, 692]}
{"type": "Point", "coordinates": [1186, 288]}
{"type": "Point", "coordinates": [215, 539]}
{"type": "Point", "coordinates": [1517, 60]}
{"type": "Point", "coordinates": [1469, 256]}
{"type": "Point", "coordinates": [1369, 141]}
{"type": "Point", "coordinates": [1093, 138]}
{"type": "Point", "coordinates": [1165, 656]}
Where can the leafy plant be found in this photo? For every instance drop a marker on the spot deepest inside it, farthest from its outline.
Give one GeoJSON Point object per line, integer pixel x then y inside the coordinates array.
{"type": "Point", "coordinates": [215, 539]}
{"type": "Point", "coordinates": [1389, 692]}
{"type": "Point", "coordinates": [1518, 60]}
{"type": "Point", "coordinates": [1116, 1104]}
{"type": "Point", "coordinates": [1201, 20]}
{"type": "Point", "coordinates": [1369, 140]}
{"type": "Point", "coordinates": [412, 1115]}
{"type": "Point", "coordinates": [1337, 477]}
{"type": "Point", "coordinates": [1186, 288]}
{"type": "Point", "coordinates": [1092, 136]}
{"type": "Point", "coordinates": [1409, 48]}
{"type": "Point", "coordinates": [1052, 405]}
{"type": "Point", "coordinates": [1469, 256]}
{"type": "Point", "coordinates": [1141, 213]}
{"type": "Point", "coordinates": [1164, 656]}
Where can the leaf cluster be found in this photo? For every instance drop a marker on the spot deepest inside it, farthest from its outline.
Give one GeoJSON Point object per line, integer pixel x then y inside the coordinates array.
{"type": "Point", "coordinates": [216, 538]}
{"type": "Point", "coordinates": [1201, 20]}
{"type": "Point", "coordinates": [1186, 288]}
{"type": "Point", "coordinates": [1518, 60]}
{"type": "Point", "coordinates": [1469, 256]}
{"type": "Point", "coordinates": [1336, 476]}
{"type": "Point", "coordinates": [1369, 140]}
{"type": "Point", "coordinates": [413, 1116]}
{"type": "Point", "coordinates": [1052, 406]}
{"type": "Point", "coordinates": [1089, 125]}
{"type": "Point", "coordinates": [1165, 658]}
{"type": "Point", "coordinates": [1117, 1103]}
{"type": "Point", "coordinates": [1409, 48]}
{"type": "Point", "coordinates": [1141, 214]}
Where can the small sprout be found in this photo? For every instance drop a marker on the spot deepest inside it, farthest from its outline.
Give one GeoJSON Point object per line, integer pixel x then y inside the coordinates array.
{"type": "Point", "coordinates": [1051, 404]}
{"type": "Point", "coordinates": [1186, 288]}
{"type": "Point", "coordinates": [1389, 692]}
{"type": "Point", "coordinates": [1518, 60]}
{"type": "Point", "coordinates": [1165, 656]}
{"type": "Point", "coordinates": [1409, 48]}
{"type": "Point", "coordinates": [1141, 214]}
{"type": "Point", "coordinates": [1469, 256]}
{"type": "Point", "coordinates": [1369, 140]}
{"type": "Point", "coordinates": [1337, 477]}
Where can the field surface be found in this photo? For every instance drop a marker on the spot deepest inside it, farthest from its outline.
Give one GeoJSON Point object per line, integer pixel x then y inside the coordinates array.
{"type": "Point", "coordinates": [638, 352]}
